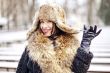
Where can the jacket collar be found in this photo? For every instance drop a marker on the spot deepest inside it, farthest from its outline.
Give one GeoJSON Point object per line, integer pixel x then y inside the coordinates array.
{"type": "Point", "coordinates": [53, 59]}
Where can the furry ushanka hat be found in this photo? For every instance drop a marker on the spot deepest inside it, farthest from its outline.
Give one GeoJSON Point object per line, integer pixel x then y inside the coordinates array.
{"type": "Point", "coordinates": [54, 13]}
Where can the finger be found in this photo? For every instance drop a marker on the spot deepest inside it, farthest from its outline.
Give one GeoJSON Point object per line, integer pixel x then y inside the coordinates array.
{"type": "Point", "coordinates": [98, 32]}
{"type": "Point", "coordinates": [85, 27]}
{"type": "Point", "coordinates": [91, 29]}
{"type": "Point", "coordinates": [95, 28]}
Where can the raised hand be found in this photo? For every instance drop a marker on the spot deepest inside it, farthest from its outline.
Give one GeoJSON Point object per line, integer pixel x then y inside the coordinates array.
{"type": "Point", "coordinates": [88, 35]}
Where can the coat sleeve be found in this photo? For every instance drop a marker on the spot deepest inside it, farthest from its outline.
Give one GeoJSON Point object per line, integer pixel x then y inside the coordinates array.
{"type": "Point", "coordinates": [82, 61]}
{"type": "Point", "coordinates": [22, 65]}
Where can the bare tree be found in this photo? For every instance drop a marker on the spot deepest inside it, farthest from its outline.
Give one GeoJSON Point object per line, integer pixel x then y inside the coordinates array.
{"type": "Point", "coordinates": [90, 12]}
{"type": "Point", "coordinates": [104, 11]}
{"type": "Point", "coordinates": [31, 10]}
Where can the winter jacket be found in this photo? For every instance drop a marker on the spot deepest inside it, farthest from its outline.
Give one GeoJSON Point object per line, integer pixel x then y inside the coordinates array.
{"type": "Point", "coordinates": [31, 63]}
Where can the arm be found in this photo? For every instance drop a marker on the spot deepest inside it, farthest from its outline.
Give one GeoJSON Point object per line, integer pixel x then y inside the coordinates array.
{"type": "Point", "coordinates": [22, 66]}
{"type": "Point", "coordinates": [82, 61]}
{"type": "Point", "coordinates": [84, 56]}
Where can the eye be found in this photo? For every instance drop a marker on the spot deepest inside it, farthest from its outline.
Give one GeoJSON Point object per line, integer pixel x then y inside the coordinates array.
{"type": "Point", "coordinates": [49, 21]}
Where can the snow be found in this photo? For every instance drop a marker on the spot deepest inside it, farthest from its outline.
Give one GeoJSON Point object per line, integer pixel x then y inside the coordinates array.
{"type": "Point", "coordinates": [3, 20]}
{"type": "Point", "coordinates": [12, 36]}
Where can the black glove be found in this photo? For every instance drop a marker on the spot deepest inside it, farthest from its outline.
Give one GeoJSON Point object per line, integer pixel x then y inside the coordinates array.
{"type": "Point", "coordinates": [88, 35]}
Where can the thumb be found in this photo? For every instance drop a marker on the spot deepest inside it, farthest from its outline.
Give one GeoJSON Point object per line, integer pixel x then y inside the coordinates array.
{"type": "Point", "coordinates": [98, 32]}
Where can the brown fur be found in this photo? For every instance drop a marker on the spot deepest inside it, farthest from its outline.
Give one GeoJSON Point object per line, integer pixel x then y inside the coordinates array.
{"type": "Point", "coordinates": [53, 59]}
{"type": "Point", "coordinates": [54, 13]}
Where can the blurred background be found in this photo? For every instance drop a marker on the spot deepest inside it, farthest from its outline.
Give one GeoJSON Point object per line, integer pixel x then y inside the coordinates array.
{"type": "Point", "coordinates": [16, 18]}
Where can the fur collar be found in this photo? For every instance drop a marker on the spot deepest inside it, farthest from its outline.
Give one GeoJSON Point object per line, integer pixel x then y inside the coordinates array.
{"type": "Point", "coordinates": [53, 59]}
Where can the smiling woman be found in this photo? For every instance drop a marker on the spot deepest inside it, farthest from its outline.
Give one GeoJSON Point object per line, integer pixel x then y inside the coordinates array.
{"type": "Point", "coordinates": [53, 46]}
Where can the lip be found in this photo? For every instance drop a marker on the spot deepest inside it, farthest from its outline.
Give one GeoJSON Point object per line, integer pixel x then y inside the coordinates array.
{"type": "Point", "coordinates": [45, 30]}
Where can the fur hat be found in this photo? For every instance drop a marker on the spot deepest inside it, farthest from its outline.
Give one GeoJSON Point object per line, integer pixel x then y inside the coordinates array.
{"type": "Point", "coordinates": [54, 13]}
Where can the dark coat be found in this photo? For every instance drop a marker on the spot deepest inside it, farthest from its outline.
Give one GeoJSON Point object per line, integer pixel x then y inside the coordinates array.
{"type": "Point", "coordinates": [80, 64]}
{"type": "Point", "coordinates": [42, 56]}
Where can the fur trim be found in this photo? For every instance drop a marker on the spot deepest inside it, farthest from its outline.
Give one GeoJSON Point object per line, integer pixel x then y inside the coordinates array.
{"type": "Point", "coordinates": [53, 59]}
{"type": "Point", "coordinates": [55, 13]}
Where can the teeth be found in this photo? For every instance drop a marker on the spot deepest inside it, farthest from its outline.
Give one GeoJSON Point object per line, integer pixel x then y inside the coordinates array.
{"type": "Point", "coordinates": [45, 30]}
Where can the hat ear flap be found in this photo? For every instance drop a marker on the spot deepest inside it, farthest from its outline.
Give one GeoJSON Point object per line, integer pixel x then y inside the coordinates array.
{"type": "Point", "coordinates": [61, 21]}
{"type": "Point", "coordinates": [66, 28]}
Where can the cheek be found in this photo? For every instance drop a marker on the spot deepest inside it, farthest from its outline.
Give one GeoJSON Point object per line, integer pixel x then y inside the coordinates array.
{"type": "Point", "coordinates": [51, 25]}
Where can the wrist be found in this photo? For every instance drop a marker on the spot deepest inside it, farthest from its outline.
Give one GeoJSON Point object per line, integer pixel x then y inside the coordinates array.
{"type": "Point", "coordinates": [85, 49]}
{"type": "Point", "coordinates": [85, 44]}
{"type": "Point", "coordinates": [87, 39]}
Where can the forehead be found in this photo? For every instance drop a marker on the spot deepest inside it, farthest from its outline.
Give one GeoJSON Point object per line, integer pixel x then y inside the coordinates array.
{"type": "Point", "coordinates": [46, 21]}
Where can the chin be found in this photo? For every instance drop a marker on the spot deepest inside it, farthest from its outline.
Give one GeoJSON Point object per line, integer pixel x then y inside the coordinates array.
{"type": "Point", "coordinates": [47, 35]}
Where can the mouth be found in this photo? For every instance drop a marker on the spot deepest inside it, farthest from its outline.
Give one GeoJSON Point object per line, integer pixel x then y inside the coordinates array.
{"type": "Point", "coordinates": [46, 30]}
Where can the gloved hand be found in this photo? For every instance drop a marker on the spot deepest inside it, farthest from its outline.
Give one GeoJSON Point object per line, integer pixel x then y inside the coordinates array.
{"type": "Point", "coordinates": [88, 36]}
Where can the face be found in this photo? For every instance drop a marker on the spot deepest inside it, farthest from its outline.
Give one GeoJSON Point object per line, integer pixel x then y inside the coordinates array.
{"type": "Point", "coordinates": [46, 27]}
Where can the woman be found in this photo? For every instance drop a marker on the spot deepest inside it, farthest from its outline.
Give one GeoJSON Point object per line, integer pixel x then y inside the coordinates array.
{"type": "Point", "coordinates": [53, 46]}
